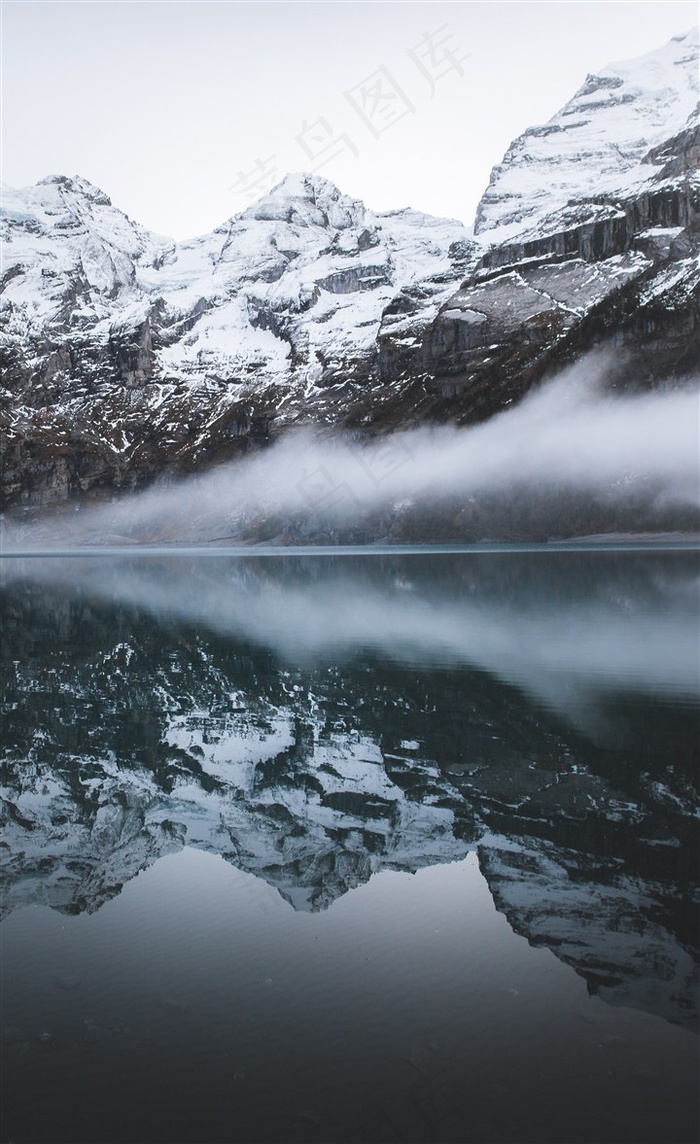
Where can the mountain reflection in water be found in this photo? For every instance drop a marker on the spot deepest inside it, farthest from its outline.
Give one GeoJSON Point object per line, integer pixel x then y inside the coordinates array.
{"type": "Point", "coordinates": [316, 720]}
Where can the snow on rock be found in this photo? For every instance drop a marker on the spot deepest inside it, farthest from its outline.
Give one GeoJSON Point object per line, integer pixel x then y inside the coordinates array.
{"type": "Point", "coordinates": [68, 254]}
{"type": "Point", "coordinates": [607, 931]}
{"type": "Point", "coordinates": [128, 357]}
{"type": "Point", "coordinates": [73, 257]}
{"type": "Point", "coordinates": [597, 144]}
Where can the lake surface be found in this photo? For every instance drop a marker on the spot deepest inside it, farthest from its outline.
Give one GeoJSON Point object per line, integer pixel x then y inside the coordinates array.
{"type": "Point", "coordinates": [389, 847]}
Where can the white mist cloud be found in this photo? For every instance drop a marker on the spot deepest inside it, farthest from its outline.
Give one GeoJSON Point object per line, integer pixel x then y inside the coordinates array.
{"type": "Point", "coordinates": [570, 630]}
{"type": "Point", "coordinates": [568, 436]}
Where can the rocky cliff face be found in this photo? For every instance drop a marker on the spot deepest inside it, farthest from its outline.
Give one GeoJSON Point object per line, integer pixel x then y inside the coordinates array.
{"type": "Point", "coordinates": [592, 226]}
{"type": "Point", "coordinates": [127, 356]}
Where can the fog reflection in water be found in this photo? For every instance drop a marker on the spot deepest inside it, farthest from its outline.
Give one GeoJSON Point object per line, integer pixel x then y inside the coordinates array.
{"type": "Point", "coordinates": [325, 724]}
{"type": "Point", "coordinates": [563, 626]}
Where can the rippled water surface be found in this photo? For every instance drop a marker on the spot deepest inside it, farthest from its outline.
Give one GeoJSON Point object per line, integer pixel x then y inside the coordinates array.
{"type": "Point", "coordinates": [389, 847]}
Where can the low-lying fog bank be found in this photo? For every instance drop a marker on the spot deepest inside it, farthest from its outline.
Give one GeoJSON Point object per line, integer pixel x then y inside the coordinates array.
{"type": "Point", "coordinates": [570, 460]}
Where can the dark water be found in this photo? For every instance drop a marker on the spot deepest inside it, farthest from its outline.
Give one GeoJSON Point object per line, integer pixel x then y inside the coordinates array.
{"type": "Point", "coordinates": [384, 848]}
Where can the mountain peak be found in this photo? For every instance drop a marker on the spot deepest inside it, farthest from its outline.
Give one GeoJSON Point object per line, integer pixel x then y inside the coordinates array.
{"type": "Point", "coordinates": [596, 144]}
{"type": "Point", "coordinates": [75, 184]}
{"type": "Point", "coordinates": [307, 200]}
{"type": "Point", "coordinates": [305, 185]}
{"type": "Point", "coordinates": [144, 358]}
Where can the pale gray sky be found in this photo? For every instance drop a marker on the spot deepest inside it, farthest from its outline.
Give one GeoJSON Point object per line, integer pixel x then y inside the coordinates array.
{"type": "Point", "coordinates": [162, 104]}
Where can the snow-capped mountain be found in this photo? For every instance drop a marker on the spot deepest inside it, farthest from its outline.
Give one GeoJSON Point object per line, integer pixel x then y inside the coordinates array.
{"type": "Point", "coordinates": [127, 356]}
{"type": "Point", "coordinates": [143, 354]}
{"type": "Point", "coordinates": [225, 303]}
{"type": "Point", "coordinates": [601, 143]}
{"type": "Point", "coordinates": [591, 224]}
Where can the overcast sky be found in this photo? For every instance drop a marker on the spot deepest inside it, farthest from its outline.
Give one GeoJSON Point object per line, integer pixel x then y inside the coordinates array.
{"type": "Point", "coordinates": [185, 111]}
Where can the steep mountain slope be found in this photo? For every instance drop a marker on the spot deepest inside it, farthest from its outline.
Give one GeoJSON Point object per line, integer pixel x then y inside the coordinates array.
{"type": "Point", "coordinates": [598, 144]}
{"type": "Point", "coordinates": [126, 356]}
{"type": "Point", "coordinates": [591, 222]}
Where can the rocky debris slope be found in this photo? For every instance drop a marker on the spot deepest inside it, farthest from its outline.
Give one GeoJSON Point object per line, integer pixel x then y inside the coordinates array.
{"type": "Point", "coordinates": [127, 356]}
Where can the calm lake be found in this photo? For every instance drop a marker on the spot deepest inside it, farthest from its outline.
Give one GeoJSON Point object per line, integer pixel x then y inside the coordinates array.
{"type": "Point", "coordinates": [357, 847]}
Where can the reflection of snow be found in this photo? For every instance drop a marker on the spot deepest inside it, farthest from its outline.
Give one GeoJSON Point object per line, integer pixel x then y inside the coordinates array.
{"type": "Point", "coordinates": [603, 930]}
{"type": "Point", "coordinates": [315, 774]}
